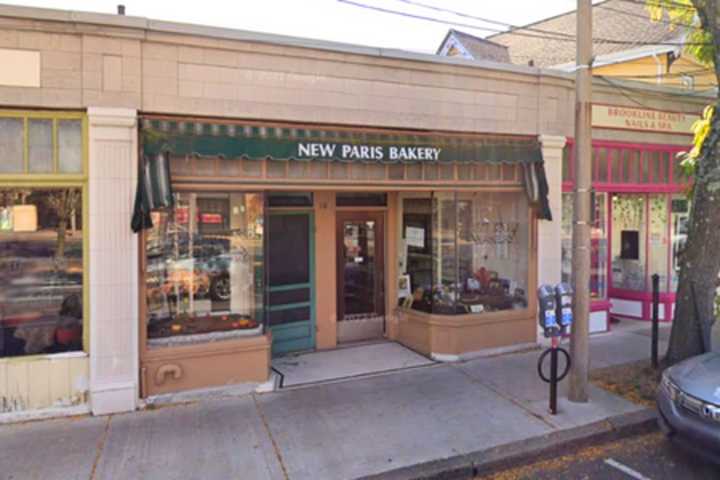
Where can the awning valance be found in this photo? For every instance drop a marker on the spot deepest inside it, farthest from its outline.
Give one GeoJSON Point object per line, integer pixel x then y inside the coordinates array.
{"type": "Point", "coordinates": [234, 141]}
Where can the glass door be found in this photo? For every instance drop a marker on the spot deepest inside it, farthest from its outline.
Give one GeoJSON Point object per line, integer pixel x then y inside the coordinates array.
{"type": "Point", "coordinates": [629, 241]}
{"type": "Point", "coordinates": [360, 276]}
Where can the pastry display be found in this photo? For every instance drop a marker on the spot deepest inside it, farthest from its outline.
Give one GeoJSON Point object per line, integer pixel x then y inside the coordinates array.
{"type": "Point", "coordinates": [184, 324]}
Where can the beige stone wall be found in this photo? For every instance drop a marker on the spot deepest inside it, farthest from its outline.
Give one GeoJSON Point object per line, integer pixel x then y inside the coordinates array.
{"type": "Point", "coordinates": [95, 60]}
{"type": "Point", "coordinates": [86, 65]}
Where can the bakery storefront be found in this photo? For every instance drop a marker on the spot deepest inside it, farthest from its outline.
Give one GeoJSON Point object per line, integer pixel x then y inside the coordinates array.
{"type": "Point", "coordinates": [639, 213]}
{"type": "Point", "coordinates": [266, 239]}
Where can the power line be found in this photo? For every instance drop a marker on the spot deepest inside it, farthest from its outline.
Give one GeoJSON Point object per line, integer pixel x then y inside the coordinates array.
{"type": "Point", "coordinates": [647, 93]}
{"type": "Point", "coordinates": [515, 32]}
{"type": "Point", "coordinates": [674, 4]}
{"type": "Point", "coordinates": [669, 74]}
{"type": "Point", "coordinates": [483, 19]}
{"type": "Point", "coordinates": [637, 15]}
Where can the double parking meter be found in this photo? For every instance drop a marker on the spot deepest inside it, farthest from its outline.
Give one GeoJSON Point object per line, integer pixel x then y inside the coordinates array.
{"type": "Point", "coordinates": [555, 309]}
{"type": "Point", "coordinates": [555, 316]}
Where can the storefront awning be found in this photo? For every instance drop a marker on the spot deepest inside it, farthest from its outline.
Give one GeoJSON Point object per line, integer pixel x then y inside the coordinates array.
{"type": "Point", "coordinates": [237, 141]}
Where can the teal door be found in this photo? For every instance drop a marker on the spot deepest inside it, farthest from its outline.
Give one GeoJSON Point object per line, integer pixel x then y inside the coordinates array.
{"type": "Point", "coordinates": [291, 281]}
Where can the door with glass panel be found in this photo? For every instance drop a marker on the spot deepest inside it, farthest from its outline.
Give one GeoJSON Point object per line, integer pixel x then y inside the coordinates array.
{"type": "Point", "coordinates": [360, 276]}
{"type": "Point", "coordinates": [291, 306]}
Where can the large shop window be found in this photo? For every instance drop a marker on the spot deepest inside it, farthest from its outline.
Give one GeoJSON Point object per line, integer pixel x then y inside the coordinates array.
{"type": "Point", "coordinates": [204, 270]}
{"type": "Point", "coordinates": [41, 264]}
{"type": "Point", "coordinates": [598, 243]}
{"type": "Point", "coordinates": [466, 252]}
{"type": "Point", "coordinates": [679, 217]}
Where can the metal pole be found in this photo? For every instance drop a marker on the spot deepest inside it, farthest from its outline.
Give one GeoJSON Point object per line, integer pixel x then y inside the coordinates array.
{"type": "Point", "coordinates": [655, 319]}
{"type": "Point", "coordinates": [553, 377]}
{"type": "Point", "coordinates": [581, 226]}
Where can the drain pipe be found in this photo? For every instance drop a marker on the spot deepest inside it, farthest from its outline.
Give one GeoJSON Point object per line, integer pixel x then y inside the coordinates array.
{"type": "Point", "coordinates": [658, 62]}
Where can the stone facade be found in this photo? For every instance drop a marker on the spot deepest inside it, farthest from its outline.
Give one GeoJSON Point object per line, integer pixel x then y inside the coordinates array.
{"type": "Point", "coordinates": [115, 66]}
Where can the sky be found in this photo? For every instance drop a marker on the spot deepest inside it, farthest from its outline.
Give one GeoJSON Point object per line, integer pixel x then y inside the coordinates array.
{"type": "Point", "coordinates": [335, 20]}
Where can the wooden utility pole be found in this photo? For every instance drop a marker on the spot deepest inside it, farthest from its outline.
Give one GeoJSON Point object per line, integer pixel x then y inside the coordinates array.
{"type": "Point", "coordinates": [581, 225]}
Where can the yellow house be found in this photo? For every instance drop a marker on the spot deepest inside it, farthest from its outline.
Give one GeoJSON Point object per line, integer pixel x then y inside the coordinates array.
{"type": "Point", "coordinates": [627, 45]}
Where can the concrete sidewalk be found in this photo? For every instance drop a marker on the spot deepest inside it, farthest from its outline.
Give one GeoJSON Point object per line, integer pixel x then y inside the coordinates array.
{"type": "Point", "coordinates": [347, 429]}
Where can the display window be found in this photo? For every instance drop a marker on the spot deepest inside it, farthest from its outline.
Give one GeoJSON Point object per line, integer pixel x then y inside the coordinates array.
{"type": "Point", "coordinates": [43, 240]}
{"type": "Point", "coordinates": [658, 240]}
{"type": "Point", "coordinates": [41, 262]}
{"type": "Point", "coordinates": [598, 244]}
{"type": "Point", "coordinates": [679, 218]}
{"type": "Point", "coordinates": [204, 268]}
{"type": "Point", "coordinates": [466, 252]}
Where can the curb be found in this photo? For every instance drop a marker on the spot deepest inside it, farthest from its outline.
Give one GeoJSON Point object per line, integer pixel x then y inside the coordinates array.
{"type": "Point", "coordinates": [482, 462]}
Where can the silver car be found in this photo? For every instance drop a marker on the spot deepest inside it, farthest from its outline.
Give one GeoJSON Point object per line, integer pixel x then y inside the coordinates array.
{"type": "Point", "coordinates": [688, 403]}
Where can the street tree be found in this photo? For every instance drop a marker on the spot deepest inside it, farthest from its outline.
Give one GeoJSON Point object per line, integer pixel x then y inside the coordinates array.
{"type": "Point", "coordinates": [699, 261]}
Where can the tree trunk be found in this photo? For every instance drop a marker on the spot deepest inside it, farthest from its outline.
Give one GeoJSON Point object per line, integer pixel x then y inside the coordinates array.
{"type": "Point", "coordinates": [700, 259]}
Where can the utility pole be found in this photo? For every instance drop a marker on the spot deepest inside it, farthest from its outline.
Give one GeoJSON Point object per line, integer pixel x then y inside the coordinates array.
{"type": "Point", "coordinates": [581, 222]}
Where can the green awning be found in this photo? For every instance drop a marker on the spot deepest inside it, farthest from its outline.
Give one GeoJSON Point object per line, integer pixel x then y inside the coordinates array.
{"type": "Point", "coordinates": [235, 141]}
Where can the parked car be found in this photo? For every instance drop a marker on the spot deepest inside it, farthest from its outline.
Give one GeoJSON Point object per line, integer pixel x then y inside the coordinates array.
{"type": "Point", "coordinates": [688, 403]}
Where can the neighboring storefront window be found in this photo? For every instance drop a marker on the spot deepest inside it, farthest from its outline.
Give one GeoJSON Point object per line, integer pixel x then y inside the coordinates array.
{"type": "Point", "coordinates": [658, 241]}
{"type": "Point", "coordinates": [41, 265]}
{"type": "Point", "coordinates": [679, 217]}
{"type": "Point", "coordinates": [629, 253]}
{"type": "Point", "coordinates": [467, 252]}
{"type": "Point", "coordinates": [598, 245]}
{"type": "Point", "coordinates": [204, 272]}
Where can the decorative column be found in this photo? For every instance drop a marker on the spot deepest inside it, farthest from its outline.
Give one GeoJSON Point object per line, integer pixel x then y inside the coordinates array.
{"type": "Point", "coordinates": [550, 233]}
{"type": "Point", "coordinates": [113, 163]}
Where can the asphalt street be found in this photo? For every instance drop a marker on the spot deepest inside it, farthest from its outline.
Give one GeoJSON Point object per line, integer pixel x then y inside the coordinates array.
{"type": "Point", "coordinates": [644, 457]}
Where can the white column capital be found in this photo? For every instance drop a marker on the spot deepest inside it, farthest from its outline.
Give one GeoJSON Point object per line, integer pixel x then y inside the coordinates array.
{"type": "Point", "coordinates": [112, 117]}
{"type": "Point", "coordinates": [556, 142]}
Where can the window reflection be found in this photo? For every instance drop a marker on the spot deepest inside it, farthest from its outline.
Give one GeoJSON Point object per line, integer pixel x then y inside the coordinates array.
{"type": "Point", "coordinates": [679, 217]}
{"type": "Point", "coordinates": [41, 263]}
{"type": "Point", "coordinates": [466, 252]}
{"type": "Point", "coordinates": [598, 244]}
{"type": "Point", "coordinates": [204, 268]}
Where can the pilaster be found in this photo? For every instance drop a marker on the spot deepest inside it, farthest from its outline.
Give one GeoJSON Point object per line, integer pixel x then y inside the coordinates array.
{"type": "Point", "coordinates": [113, 163]}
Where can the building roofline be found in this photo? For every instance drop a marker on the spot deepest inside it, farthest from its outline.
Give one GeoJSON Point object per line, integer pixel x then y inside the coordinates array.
{"type": "Point", "coordinates": [148, 25]}
{"type": "Point", "coordinates": [475, 37]}
{"type": "Point", "coordinates": [161, 26]}
{"type": "Point", "coordinates": [622, 56]}
{"type": "Point", "coordinates": [444, 40]}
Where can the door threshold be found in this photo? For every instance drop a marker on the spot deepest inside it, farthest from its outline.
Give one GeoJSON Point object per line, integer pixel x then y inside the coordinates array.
{"type": "Point", "coordinates": [346, 362]}
{"type": "Point", "coordinates": [359, 376]}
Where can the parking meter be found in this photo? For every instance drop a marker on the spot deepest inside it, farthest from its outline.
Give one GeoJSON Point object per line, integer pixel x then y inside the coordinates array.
{"type": "Point", "coordinates": [547, 314]}
{"type": "Point", "coordinates": [563, 303]}
{"type": "Point", "coordinates": [555, 317]}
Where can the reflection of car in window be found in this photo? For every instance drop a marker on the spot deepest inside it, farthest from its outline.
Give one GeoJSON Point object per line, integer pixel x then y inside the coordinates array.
{"type": "Point", "coordinates": [210, 264]}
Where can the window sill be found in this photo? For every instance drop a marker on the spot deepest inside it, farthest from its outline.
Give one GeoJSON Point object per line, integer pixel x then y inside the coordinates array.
{"type": "Point", "coordinates": [43, 356]}
{"type": "Point", "coordinates": [203, 338]}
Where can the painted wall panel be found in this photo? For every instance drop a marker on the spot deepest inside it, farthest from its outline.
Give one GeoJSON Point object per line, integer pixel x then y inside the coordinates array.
{"type": "Point", "coordinates": [43, 382]}
{"type": "Point", "coordinates": [25, 71]}
{"type": "Point", "coordinates": [628, 308]}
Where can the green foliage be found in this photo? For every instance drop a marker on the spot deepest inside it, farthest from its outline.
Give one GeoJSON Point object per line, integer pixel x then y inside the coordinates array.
{"type": "Point", "coordinates": [699, 43]}
{"type": "Point", "coordinates": [701, 130]}
{"type": "Point", "coordinates": [683, 14]}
